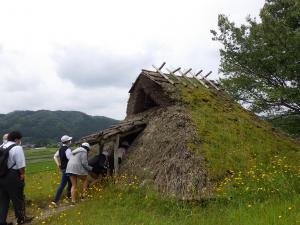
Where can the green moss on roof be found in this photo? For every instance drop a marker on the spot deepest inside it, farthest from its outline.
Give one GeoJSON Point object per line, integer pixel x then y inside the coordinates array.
{"type": "Point", "coordinates": [231, 137]}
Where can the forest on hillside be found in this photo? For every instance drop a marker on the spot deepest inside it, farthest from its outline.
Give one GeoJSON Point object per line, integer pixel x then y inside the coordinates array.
{"type": "Point", "coordinates": [45, 127]}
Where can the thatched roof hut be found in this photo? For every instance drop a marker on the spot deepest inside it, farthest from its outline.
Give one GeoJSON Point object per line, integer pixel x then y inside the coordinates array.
{"type": "Point", "coordinates": [159, 131]}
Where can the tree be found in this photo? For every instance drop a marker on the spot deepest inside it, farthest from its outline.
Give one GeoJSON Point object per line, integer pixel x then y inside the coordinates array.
{"type": "Point", "coordinates": [261, 60]}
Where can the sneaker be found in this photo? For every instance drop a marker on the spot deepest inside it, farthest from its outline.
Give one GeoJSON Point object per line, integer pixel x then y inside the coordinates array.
{"type": "Point", "coordinates": [73, 204]}
{"type": "Point", "coordinates": [26, 219]}
{"type": "Point", "coordinates": [54, 204]}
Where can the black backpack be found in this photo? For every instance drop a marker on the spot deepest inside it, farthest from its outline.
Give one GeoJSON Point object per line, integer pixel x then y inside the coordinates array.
{"type": "Point", "coordinates": [4, 153]}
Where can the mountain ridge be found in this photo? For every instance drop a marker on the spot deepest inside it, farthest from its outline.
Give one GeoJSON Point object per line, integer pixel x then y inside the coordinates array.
{"type": "Point", "coordinates": [45, 127]}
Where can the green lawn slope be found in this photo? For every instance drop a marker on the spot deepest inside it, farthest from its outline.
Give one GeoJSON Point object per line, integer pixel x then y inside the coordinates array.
{"type": "Point", "coordinates": [245, 155]}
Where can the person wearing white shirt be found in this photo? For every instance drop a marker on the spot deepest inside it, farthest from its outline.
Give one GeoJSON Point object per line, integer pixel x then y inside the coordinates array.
{"type": "Point", "coordinates": [12, 183]}
{"type": "Point", "coordinates": [61, 158]}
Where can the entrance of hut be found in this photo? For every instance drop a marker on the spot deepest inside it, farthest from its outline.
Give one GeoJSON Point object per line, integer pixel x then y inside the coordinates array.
{"type": "Point", "coordinates": [143, 102]}
{"type": "Point", "coordinates": [124, 143]}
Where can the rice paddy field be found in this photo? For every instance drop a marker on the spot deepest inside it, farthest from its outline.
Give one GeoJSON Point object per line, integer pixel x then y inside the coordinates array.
{"type": "Point", "coordinates": [123, 201]}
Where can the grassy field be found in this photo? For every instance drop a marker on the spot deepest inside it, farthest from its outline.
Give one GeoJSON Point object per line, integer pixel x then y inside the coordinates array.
{"type": "Point", "coordinates": [109, 204]}
{"type": "Point", "coordinates": [112, 203]}
{"type": "Point", "coordinates": [38, 160]}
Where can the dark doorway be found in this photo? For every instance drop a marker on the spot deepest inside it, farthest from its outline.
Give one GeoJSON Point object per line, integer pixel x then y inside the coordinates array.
{"type": "Point", "coordinates": [143, 102]}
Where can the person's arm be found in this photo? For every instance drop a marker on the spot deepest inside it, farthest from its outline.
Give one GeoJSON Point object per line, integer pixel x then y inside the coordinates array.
{"type": "Point", "coordinates": [68, 153]}
{"type": "Point", "coordinates": [19, 158]}
{"type": "Point", "coordinates": [85, 163]}
{"type": "Point", "coordinates": [57, 159]}
{"type": "Point", "coordinates": [22, 173]}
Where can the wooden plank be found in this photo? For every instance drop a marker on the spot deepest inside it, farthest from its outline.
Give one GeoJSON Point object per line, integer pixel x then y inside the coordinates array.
{"type": "Point", "coordinates": [200, 81]}
{"type": "Point", "coordinates": [197, 74]}
{"type": "Point", "coordinates": [106, 136]}
{"type": "Point", "coordinates": [151, 78]}
{"type": "Point", "coordinates": [162, 65]}
{"type": "Point", "coordinates": [164, 75]}
{"type": "Point", "coordinates": [212, 84]}
{"type": "Point", "coordinates": [184, 75]}
{"type": "Point", "coordinates": [132, 132]}
{"type": "Point", "coordinates": [159, 79]}
{"type": "Point", "coordinates": [210, 72]}
{"type": "Point", "coordinates": [116, 163]}
{"type": "Point", "coordinates": [172, 73]}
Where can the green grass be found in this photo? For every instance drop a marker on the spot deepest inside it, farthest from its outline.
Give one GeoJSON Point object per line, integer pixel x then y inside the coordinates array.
{"type": "Point", "coordinates": [233, 139]}
{"type": "Point", "coordinates": [39, 160]}
{"type": "Point", "coordinates": [111, 205]}
{"type": "Point", "coordinates": [39, 152]}
{"type": "Point", "coordinates": [40, 166]}
{"type": "Point", "coordinates": [41, 186]}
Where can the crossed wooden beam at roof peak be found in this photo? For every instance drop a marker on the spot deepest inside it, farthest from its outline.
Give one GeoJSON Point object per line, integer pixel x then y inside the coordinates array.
{"type": "Point", "coordinates": [186, 81]}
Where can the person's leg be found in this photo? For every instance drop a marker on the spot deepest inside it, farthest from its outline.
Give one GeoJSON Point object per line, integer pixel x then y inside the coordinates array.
{"type": "Point", "coordinates": [16, 194]}
{"type": "Point", "coordinates": [74, 188]}
{"type": "Point", "coordinates": [95, 178]}
{"type": "Point", "coordinates": [84, 185]}
{"type": "Point", "coordinates": [4, 205]}
{"type": "Point", "coordinates": [69, 188]}
{"type": "Point", "coordinates": [63, 182]}
{"type": "Point", "coordinates": [17, 198]}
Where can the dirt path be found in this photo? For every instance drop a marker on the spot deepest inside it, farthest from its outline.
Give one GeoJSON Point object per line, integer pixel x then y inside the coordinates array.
{"type": "Point", "coordinates": [51, 211]}
{"type": "Point", "coordinates": [43, 213]}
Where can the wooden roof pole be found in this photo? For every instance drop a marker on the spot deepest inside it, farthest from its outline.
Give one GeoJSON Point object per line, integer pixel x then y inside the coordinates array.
{"type": "Point", "coordinates": [116, 160]}
{"type": "Point", "coordinates": [172, 73]}
{"type": "Point", "coordinates": [200, 81]}
{"type": "Point", "coordinates": [198, 73]}
{"type": "Point", "coordinates": [210, 72]}
{"type": "Point", "coordinates": [184, 75]}
{"type": "Point", "coordinates": [162, 74]}
{"type": "Point", "coordinates": [211, 83]}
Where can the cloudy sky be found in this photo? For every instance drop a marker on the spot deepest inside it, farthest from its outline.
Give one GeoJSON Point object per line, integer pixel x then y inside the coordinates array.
{"type": "Point", "coordinates": [83, 55]}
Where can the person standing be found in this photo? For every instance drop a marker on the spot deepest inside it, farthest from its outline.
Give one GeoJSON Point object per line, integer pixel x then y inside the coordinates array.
{"type": "Point", "coordinates": [78, 168]}
{"type": "Point", "coordinates": [61, 157]}
{"type": "Point", "coordinates": [5, 136]}
{"type": "Point", "coordinates": [122, 150]}
{"type": "Point", "coordinates": [12, 182]}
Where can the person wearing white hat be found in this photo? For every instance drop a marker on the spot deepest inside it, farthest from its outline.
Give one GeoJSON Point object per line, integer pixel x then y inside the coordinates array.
{"type": "Point", "coordinates": [62, 157]}
{"type": "Point", "coordinates": [78, 168]}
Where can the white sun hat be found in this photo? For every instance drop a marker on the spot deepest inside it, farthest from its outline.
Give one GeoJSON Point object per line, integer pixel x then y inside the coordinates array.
{"type": "Point", "coordinates": [85, 144]}
{"type": "Point", "coordinates": [65, 138]}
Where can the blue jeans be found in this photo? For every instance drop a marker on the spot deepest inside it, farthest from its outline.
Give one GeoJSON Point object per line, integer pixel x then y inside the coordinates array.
{"type": "Point", "coordinates": [64, 180]}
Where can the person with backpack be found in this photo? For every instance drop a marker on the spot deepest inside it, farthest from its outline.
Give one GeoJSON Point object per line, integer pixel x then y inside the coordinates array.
{"type": "Point", "coordinates": [12, 179]}
{"type": "Point", "coordinates": [78, 168]}
{"type": "Point", "coordinates": [62, 157]}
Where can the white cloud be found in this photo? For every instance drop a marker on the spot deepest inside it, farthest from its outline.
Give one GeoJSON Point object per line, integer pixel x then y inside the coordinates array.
{"type": "Point", "coordinates": [83, 55]}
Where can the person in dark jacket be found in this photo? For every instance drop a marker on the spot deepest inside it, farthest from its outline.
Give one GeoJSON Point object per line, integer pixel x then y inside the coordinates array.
{"type": "Point", "coordinates": [61, 158]}
{"type": "Point", "coordinates": [100, 167]}
{"type": "Point", "coordinates": [13, 182]}
{"type": "Point", "coordinates": [99, 164]}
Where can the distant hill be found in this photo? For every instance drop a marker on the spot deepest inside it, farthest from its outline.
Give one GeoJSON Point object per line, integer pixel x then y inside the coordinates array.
{"type": "Point", "coordinates": [45, 127]}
